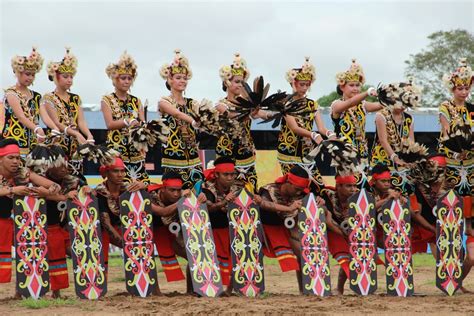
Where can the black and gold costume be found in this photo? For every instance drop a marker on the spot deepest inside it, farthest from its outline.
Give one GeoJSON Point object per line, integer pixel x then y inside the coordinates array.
{"type": "Point", "coordinates": [459, 173]}
{"type": "Point", "coordinates": [395, 134]}
{"type": "Point", "coordinates": [292, 148]}
{"type": "Point", "coordinates": [118, 138]}
{"type": "Point", "coordinates": [180, 152]}
{"type": "Point", "coordinates": [67, 113]}
{"type": "Point", "coordinates": [25, 137]}
{"type": "Point", "coordinates": [241, 149]}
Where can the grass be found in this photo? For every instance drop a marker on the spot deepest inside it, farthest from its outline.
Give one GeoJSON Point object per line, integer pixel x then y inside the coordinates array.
{"type": "Point", "coordinates": [46, 303]}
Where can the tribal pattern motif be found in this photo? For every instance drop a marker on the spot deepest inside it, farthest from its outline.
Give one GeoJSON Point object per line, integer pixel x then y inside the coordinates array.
{"type": "Point", "coordinates": [314, 248]}
{"type": "Point", "coordinates": [86, 247]}
{"type": "Point", "coordinates": [449, 233]}
{"type": "Point", "coordinates": [32, 277]}
{"type": "Point", "coordinates": [362, 247]}
{"type": "Point", "coordinates": [200, 247]}
{"type": "Point", "coordinates": [138, 248]}
{"type": "Point", "coordinates": [246, 245]}
{"type": "Point", "coordinates": [398, 257]}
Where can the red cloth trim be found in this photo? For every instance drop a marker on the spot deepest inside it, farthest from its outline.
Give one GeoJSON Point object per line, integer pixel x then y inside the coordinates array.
{"type": "Point", "coordinates": [470, 240]}
{"type": "Point", "coordinates": [467, 206]}
{"type": "Point", "coordinates": [6, 241]}
{"type": "Point", "coordinates": [57, 240]}
{"type": "Point", "coordinates": [346, 179]}
{"type": "Point", "coordinates": [210, 174]}
{"type": "Point", "coordinates": [441, 160]}
{"type": "Point", "coordinates": [381, 176]}
{"type": "Point", "coordinates": [222, 241]}
{"type": "Point", "coordinates": [164, 244]}
{"type": "Point", "coordinates": [166, 183]}
{"type": "Point", "coordinates": [10, 149]}
{"type": "Point", "coordinates": [118, 164]}
{"type": "Point", "coordinates": [278, 246]}
{"type": "Point", "coordinates": [295, 180]}
{"type": "Point", "coordinates": [420, 239]}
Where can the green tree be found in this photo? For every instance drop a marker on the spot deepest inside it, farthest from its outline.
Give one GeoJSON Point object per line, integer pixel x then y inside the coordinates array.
{"type": "Point", "coordinates": [440, 57]}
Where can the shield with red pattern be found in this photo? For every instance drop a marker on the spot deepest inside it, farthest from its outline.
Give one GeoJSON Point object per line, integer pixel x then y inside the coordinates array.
{"type": "Point", "coordinates": [362, 243]}
{"type": "Point", "coordinates": [246, 242]}
{"type": "Point", "coordinates": [200, 247]}
{"type": "Point", "coordinates": [31, 246]}
{"type": "Point", "coordinates": [397, 243]}
{"type": "Point", "coordinates": [138, 247]}
{"type": "Point", "coordinates": [86, 246]}
{"type": "Point", "coordinates": [449, 234]}
{"type": "Point", "coordinates": [314, 248]}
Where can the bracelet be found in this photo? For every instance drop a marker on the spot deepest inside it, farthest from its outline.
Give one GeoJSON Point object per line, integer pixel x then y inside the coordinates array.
{"type": "Point", "coordinates": [36, 128]}
{"type": "Point", "coordinates": [55, 132]}
{"type": "Point", "coordinates": [130, 123]}
{"type": "Point", "coordinates": [126, 122]}
{"type": "Point", "coordinates": [330, 133]}
{"type": "Point", "coordinates": [392, 156]}
{"type": "Point", "coordinates": [315, 136]}
{"type": "Point", "coordinates": [65, 130]}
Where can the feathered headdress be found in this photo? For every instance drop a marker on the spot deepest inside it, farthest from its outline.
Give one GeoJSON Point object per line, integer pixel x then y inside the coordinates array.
{"type": "Point", "coordinates": [354, 73]}
{"type": "Point", "coordinates": [412, 152]}
{"type": "Point", "coordinates": [125, 66]}
{"type": "Point", "coordinates": [67, 65]}
{"type": "Point", "coordinates": [33, 62]}
{"type": "Point", "coordinates": [307, 72]}
{"type": "Point", "coordinates": [179, 65]}
{"type": "Point", "coordinates": [462, 76]}
{"type": "Point", "coordinates": [208, 117]}
{"type": "Point", "coordinates": [459, 137]}
{"type": "Point", "coordinates": [43, 157]}
{"type": "Point", "coordinates": [238, 68]}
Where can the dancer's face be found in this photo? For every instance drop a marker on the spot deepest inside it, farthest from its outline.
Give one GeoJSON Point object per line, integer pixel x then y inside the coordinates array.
{"type": "Point", "coordinates": [225, 179]}
{"type": "Point", "coordinates": [11, 162]}
{"type": "Point", "coordinates": [350, 89]}
{"type": "Point", "coordinates": [116, 176]}
{"type": "Point", "coordinates": [64, 81]}
{"type": "Point", "coordinates": [178, 82]}
{"type": "Point", "coordinates": [26, 78]}
{"type": "Point", "coordinates": [171, 194]}
{"type": "Point", "coordinates": [344, 191]}
{"type": "Point", "coordinates": [301, 87]}
{"type": "Point", "coordinates": [382, 185]}
{"type": "Point", "coordinates": [123, 82]}
{"type": "Point", "coordinates": [235, 86]}
{"type": "Point", "coordinates": [58, 173]}
{"type": "Point", "coordinates": [461, 92]}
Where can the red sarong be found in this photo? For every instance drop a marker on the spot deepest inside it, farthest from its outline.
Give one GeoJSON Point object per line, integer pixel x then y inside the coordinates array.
{"type": "Point", "coordinates": [339, 249]}
{"type": "Point", "coordinates": [222, 241]}
{"type": "Point", "coordinates": [278, 246]}
{"type": "Point", "coordinates": [58, 240]}
{"type": "Point", "coordinates": [163, 239]}
{"type": "Point", "coordinates": [6, 242]}
{"type": "Point", "coordinates": [420, 239]}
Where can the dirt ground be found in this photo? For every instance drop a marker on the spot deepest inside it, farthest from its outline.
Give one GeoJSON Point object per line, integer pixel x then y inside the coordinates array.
{"type": "Point", "coordinates": [281, 297]}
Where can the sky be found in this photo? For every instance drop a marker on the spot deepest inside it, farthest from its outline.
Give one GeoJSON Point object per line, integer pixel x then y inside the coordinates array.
{"type": "Point", "coordinates": [273, 36]}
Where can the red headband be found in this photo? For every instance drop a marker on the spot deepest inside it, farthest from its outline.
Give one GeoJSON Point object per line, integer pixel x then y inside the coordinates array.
{"type": "Point", "coordinates": [166, 183]}
{"type": "Point", "coordinates": [440, 160]}
{"type": "Point", "coordinates": [9, 149]}
{"type": "Point", "coordinates": [346, 179]}
{"type": "Point", "coordinates": [210, 174]}
{"type": "Point", "coordinates": [381, 176]}
{"type": "Point", "coordinates": [118, 164]}
{"type": "Point", "coordinates": [300, 182]}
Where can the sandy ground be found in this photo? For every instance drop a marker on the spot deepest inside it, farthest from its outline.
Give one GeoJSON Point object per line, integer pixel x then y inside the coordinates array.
{"type": "Point", "coordinates": [281, 297]}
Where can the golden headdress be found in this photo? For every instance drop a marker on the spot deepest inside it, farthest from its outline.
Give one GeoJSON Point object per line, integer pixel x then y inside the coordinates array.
{"type": "Point", "coordinates": [67, 65]}
{"type": "Point", "coordinates": [462, 76]}
{"type": "Point", "coordinates": [238, 68]}
{"type": "Point", "coordinates": [354, 73]}
{"type": "Point", "coordinates": [179, 65]}
{"type": "Point", "coordinates": [34, 62]}
{"type": "Point", "coordinates": [125, 66]}
{"type": "Point", "coordinates": [307, 72]}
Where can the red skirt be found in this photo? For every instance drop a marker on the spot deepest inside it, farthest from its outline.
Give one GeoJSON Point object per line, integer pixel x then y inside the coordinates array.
{"type": "Point", "coordinates": [278, 246]}
{"type": "Point", "coordinates": [163, 239]}
{"type": "Point", "coordinates": [222, 241]}
{"type": "Point", "coordinates": [6, 242]}
{"type": "Point", "coordinates": [58, 241]}
{"type": "Point", "coordinates": [420, 239]}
